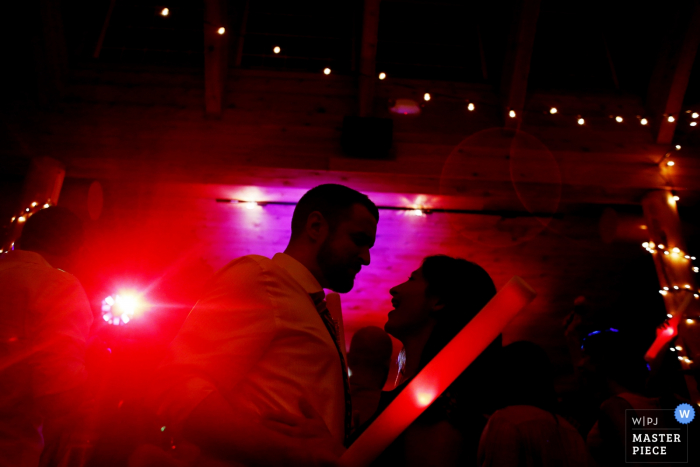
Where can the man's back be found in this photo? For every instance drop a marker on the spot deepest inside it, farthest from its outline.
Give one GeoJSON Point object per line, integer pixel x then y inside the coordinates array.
{"type": "Point", "coordinates": [257, 339]}
{"type": "Point", "coordinates": [45, 318]}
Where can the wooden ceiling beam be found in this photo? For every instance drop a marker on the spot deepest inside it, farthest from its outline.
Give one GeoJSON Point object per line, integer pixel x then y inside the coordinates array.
{"type": "Point", "coordinates": [516, 67]}
{"type": "Point", "coordinates": [670, 78]}
{"type": "Point", "coordinates": [215, 56]}
{"type": "Point", "coordinates": [368, 57]}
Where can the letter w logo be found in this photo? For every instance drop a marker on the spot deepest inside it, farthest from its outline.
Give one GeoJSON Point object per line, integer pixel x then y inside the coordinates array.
{"type": "Point", "coordinates": [684, 413]}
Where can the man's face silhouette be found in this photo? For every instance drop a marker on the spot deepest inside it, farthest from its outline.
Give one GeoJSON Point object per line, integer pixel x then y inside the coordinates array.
{"type": "Point", "coordinates": [346, 249]}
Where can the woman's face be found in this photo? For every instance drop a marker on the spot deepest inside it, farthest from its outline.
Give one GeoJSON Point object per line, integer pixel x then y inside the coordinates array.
{"type": "Point", "coordinates": [412, 308]}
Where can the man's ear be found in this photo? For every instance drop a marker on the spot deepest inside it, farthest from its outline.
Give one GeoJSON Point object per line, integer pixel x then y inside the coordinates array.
{"type": "Point", "coordinates": [316, 227]}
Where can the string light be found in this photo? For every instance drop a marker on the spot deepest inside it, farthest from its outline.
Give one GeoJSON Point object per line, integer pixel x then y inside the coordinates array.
{"type": "Point", "coordinates": [672, 349]}
{"type": "Point", "coordinates": [676, 250]}
{"type": "Point", "coordinates": [221, 31]}
{"type": "Point", "coordinates": [416, 212]}
{"type": "Point", "coordinates": [470, 107]}
{"type": "Point", "coordinates": [276, 49]}
{"type": "Point", "coordinates": [326, 71]}
{"type": "Point", "coordinates": [164, 12]}
{"type": "Point", "coordinates": [695, 115]}
{"type": "Point", "coordinates": [678, 147]}
{"type": "Point", "coordinates": [553, 110]}
{"type": "Point", "coordinates": [693, 123]}
{"type": "Point", "coordinates": [511, 114]}
{"type": "Point", "coordinates": [382, 75]}
{"type": "Point", "coordinates": [644, 121]}
{"type": "Point", "coordinates": [47, 205]}
{"type": "Point", "coordinates": [670, 163]}
{"type": "Point", "coordinates": [618, 119]}
{"type": "Point", "coordinates": [676, 198]}
{"type": "Point", "coordinates": [671, 119]}
{"type": "Point", "coordinates": [426, 96]}
{"type": "Point", "coordinates": [581, 121]}
{"type": "Point", "coordinates": [690, 321]}
{"type": "Point", "coordinates": [21, 219]}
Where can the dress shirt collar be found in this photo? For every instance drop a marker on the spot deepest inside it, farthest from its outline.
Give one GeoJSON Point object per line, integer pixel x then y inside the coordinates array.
{"type": "Point", "coordinates": [298, 271]}
{"type": "Point", "coordinates": [24, 256]}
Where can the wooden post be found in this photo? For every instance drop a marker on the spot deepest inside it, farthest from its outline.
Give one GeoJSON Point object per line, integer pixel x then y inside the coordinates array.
{"type": "Point", "coordinates": [516, 68]}
{"type": "Point", "coordinates": [674, 268]}
{"type": "Point", "coordinates": [215, 56]}
{"type": "Point", "coordinates": [368, 57]}
{"type": "Point", "coordinates": [670, 77]}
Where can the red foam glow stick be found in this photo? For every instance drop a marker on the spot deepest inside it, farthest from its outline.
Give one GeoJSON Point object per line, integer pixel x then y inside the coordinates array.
{"type": "Point", "coordinates": [439, 373]}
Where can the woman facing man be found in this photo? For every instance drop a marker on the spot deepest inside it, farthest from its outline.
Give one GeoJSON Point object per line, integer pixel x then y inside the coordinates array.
{"type": "Point", "coordinates": [430, 308]}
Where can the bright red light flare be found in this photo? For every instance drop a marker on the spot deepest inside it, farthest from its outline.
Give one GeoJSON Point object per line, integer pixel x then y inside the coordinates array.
{"type": "Point", "coordinates": [121, 308]}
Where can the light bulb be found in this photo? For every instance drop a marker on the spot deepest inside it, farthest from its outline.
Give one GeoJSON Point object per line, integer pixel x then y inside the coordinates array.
{"type": "Point", "coordinates": [21, 219]}
{"type": "Point", "coordinates": [470, 107]}
{"type": "Point", "coordinates": [693, 123]}
{"type": "Point", "coordinates": [670, 163]}
{"type": "Point", "coordinates": [671, 119]}
{"type": "Point", "coordinates": [326, 71]}
{"type": "Point", "coordinates": [164, 12]}
{"type": "Point", "coordinates": [382, 75]}
{"type": "Point", "coordinates": [511, 114]}
{"type": "Point", "coordinates": [553, 110]}
{"type": "Point", "coordinates": [676, 249]}
{"type": "Point", "coordinates": [276, 49]}
{"type": "Point", "coordinates": [645, 244]}
{"type": "Point", "coordinates": [678, 147]}
{"type": "Point", "coordinates": [676, 198]}
{"type": "Point", "coordinates": [644, 121]}
{"type": "Point", "coordinates": [695, 115]}
{"type": "Point", "coordinates": [221, 31]}
{"type": "Point", "coordinates": [426, 96]}
{"type": "Point", "coordinates": [581, 121]}
{"type": "Point", "coordinates": [618, 119]}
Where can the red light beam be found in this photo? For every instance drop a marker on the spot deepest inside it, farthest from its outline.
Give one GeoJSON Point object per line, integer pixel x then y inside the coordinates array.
{"type": "Point", "coordinates": [440, 373]}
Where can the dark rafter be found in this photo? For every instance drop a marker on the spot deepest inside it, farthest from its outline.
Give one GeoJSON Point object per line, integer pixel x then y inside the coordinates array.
{"type": "Point", "coordinates": [215, 56]}
{"type": "Point", "coordinates": [368, 55]}
{"type": "Point", "coordinates": [517, 62]}
{"type": "Point", "coordinates": [670, 78]}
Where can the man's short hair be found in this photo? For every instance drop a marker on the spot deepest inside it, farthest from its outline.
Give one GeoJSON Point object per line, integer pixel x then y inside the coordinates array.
{"type": "Point", "coordinates": [54, 230]}
{"type": "Point", "coordinates": [332, 201]}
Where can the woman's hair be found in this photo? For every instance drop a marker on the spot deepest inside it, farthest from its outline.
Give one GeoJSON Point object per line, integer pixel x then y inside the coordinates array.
{"type": "Point", "coordinates": [527, 377]}
{"type": "Point", "coordinates": [464, 288]}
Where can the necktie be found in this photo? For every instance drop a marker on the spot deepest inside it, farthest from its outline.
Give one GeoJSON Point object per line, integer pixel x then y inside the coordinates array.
{"type": "Point", "coordinates": [320, 302]}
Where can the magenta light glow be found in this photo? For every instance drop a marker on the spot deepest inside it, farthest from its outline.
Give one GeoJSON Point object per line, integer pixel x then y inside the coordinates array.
{"type": "Point", "coordinates": [437, 375]}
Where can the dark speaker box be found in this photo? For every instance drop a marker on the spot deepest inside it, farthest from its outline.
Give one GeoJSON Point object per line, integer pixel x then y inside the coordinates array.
{"type": "Point", "coordinates": [367, 137]}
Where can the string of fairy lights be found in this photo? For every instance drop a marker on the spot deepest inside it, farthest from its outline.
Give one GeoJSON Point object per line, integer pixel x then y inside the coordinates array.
{"type": "Point", "coordinates": [692, 117]}
{"type": "Point", "coordinates": [21, 218]}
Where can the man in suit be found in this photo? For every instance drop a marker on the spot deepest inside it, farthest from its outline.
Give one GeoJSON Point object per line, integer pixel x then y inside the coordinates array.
{"type": "Point", "coordinates": [256, 374]}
